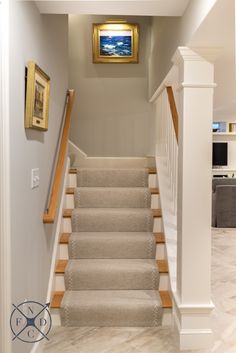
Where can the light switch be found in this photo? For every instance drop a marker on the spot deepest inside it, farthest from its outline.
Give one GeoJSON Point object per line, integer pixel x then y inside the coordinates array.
{"type": "Point", "coordinates": [34, 178]}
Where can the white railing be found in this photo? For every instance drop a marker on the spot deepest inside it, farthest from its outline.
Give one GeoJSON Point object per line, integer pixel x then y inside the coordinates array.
{"type": "Point", "coordinates": [167, 147]}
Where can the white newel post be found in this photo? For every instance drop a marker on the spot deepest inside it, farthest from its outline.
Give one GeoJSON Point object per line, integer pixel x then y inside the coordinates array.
{"type": "Point", "coordinates": [192, 299]}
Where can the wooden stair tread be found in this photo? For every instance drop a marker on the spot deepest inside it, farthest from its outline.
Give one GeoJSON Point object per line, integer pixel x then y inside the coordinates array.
{"type": "Point", "coordinates": [160, 238]}
{"type": "Point", "coordinates": [156, 212]}
{"type": "Point", "coordinates": [166, 299]}
{"type": "Point", "coordinates": [163, 266]}
{"type": "Point", "coordinates": [73, 171]}
{"type": "Point", "coordinates": [154, 191]}
{"type": "Point", "coordinates": [61, 266]}
{"type": "Point", "coordinates": [67, 212]}
{"type": "Point", "coordinates": [70, 191]}
{"type": "Point", "coordinates": [57, 299]}
{"type": "Point", "coordinates": [64, 238]}
{"type": "Point", "coordinates": [152, 170]}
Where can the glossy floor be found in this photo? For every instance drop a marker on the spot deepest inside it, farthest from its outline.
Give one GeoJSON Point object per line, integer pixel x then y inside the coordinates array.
{"type": "Point", "coordinates": [153, 340]}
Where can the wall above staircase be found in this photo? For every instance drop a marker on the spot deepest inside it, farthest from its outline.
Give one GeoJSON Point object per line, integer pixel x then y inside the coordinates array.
{"type": "Point", "coordinates": [112, 116]}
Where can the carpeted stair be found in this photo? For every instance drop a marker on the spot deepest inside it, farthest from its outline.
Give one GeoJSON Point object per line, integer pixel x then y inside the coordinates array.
{"type": "Point", "coordinates": [112, 278]}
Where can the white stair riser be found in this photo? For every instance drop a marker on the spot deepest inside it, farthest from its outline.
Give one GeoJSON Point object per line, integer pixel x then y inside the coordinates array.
{"type": "Point", "coordinates": [66, 225]}
{"type": "Point", "coordinates": [63, 252]}
{"type": "Point", "coordinates": [164, 281]}
{"type": "Point", "coordinates": [152, 181]}
{"type": "Point", "coordinates": [167, 318]}
{"type": "Point", "coordinates": [158, 225]}
{"type": "Point", "coordinates": [69, 201]}
{"type": "Point", "coordinates": [155, 202]}
{"type": "Point", "coordinates": [160, 252]}
{"type": "Point", "coordinates": [55, 316]}
{"type": "Point", "coordinates": [59, 282]}
{"type": "Point", "coordinates": [72, 180]}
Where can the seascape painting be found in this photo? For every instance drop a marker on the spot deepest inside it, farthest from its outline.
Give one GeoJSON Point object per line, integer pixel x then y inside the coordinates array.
{"type": "Point", "coordinates": [116, 43]}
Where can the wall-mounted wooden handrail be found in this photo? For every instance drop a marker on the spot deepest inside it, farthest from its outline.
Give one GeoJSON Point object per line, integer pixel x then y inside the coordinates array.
{"type": "Point", "coordinates": [50, 215]}
{"type": "Point", "coordinates": [173, 109]}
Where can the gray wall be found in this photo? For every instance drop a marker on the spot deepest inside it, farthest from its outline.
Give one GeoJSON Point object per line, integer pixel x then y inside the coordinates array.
{"type": "Point", "coordinates": [167, 33]}
{"type": "Point", "coordinates": [43, 39]}
{"type": "Point", "coordinates": [112, 116]}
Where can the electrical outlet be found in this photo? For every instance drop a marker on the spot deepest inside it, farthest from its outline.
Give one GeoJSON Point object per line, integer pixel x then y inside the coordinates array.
{"type": "Point", "coordinates": [34, 178]}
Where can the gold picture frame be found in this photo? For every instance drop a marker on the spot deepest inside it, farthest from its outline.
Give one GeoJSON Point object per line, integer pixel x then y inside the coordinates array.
{"type": "Point", "coordinates": [37, 97]}
{"type": "Point", "coordinates": [115, 43]}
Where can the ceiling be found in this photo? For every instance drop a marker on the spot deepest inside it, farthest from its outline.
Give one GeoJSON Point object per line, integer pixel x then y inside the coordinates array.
{"type": "Point", "coordinates": [115, 7]}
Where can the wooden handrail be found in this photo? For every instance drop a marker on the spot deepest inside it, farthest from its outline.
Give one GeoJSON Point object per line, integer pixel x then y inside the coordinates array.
{"type": "Point", "coordinates": [50, 215]}
{"type": "Point", "coordinates": [173, 109]}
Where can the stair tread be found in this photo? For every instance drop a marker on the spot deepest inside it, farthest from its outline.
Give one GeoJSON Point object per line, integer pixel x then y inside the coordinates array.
{"type": "Point", "coordinates": [152, 170]}
{"type": "Point", "coordinates": [67, 212]}
{"type": "Point", "coordinates": [64, 238]}
{"type": "Point", "coordinates": [57, 299]}
{"type": "Point", "coordinates": [70, 190]}
{"type": "Point", "coordinates": [165, 296]}
{"type": "Point", "coordinates": [163, 266]}
{"type": "Point", "coordinates": [61, 266]}
{"type": "Point", "coordinates": [160, 237]}
{"type": "Point", "coordinates": [73, 171]}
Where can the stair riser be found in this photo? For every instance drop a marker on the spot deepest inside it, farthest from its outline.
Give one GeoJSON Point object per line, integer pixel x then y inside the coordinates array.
{"type": "Point", "coordinates": [70, 203]}
{"type": "Point", "coordinates": [160, 253]}
{"type": "Point", "coordinates": [163, 283]}
{"type": "Point", "coordinates": [111, 280]}
{"type": "Point", "coordinates": [66, 225]}
{"type": "Point", "coordinates": [72, 180]}
{"type": "Point", "coordinates": [152, 180]}
{"type": "Point", "coordinates": [166, 318]}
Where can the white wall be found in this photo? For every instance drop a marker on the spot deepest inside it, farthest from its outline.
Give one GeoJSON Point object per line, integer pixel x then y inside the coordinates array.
{"type": "Point", "coordinates": [168, 33]}
{"type": "Point", "coordinates": [112, 116]}
{"type": "Point", "coordinates": [42, 38]}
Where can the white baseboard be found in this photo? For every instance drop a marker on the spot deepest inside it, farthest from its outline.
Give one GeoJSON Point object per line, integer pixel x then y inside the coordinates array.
{"type": "Point", "coordinates": [192, 325]}
{"type": "Point", "coordinates": [79, 158]}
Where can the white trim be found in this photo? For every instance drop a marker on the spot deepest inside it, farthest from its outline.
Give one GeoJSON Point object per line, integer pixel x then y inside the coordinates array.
{"type": "Point", "coordinates": [196, 54]}
{"type": "Point", "coordinates": [192, 308]}
{"type": "Point", "coordinates": [196, 85]}
{"type": "Point", "coordinates": [37, 346]}
{"type": "Point", "coordinates": [80, 158]}
{"type": "Point", "coordinates": [5, 235]}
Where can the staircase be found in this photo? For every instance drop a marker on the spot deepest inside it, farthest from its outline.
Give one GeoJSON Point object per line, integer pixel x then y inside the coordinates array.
{"type": "Point", "coordinates": [112, 269]}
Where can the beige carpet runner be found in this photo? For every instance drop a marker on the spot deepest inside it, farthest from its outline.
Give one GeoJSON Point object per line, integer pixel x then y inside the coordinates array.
{"type": "Point", "coordinates": [111, 278]}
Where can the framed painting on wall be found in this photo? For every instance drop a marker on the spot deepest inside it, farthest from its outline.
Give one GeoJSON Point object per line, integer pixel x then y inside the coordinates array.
{"type": "Point", "coordinates": [37, 98]}
{"type": "Point", "coordinates": [115, 43]}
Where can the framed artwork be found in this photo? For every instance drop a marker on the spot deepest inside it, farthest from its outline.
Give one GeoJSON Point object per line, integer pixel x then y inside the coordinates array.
{"type": "Point", "coordinates": [115, 43]}
{"type": "Point", "coordinates": [37, 97]}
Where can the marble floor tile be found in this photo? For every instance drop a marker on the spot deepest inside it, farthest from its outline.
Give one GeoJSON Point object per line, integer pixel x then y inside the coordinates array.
{"type": "Point", "coordinates": [161, 340]}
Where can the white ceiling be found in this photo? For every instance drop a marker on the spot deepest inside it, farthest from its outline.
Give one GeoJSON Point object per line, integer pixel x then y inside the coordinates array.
{"type": "Point", "coordinates": [115, 7]}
